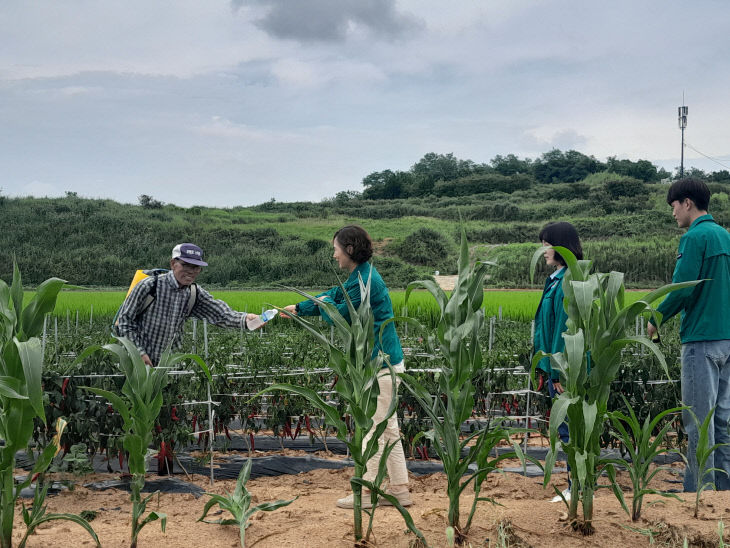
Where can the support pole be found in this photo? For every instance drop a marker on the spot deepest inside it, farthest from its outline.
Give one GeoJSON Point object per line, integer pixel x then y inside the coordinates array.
{"type": "Point", "coordinates": [529, 388]}
{"type": "Point", "coordinates": [43, 340]}
{"type": "Point", "coordinates": [211, 412]}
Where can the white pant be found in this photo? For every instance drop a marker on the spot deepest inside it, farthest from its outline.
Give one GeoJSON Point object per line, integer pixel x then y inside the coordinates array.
{"type": "Point", "coordinates": [396, 463]}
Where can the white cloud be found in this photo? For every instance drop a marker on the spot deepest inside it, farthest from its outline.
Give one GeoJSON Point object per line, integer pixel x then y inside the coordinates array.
{"type": "Point", "coordinates": [39, 189]}
{"type": "Point", "coordinates": [250, 99]}
{"type": "Point", "coordinates": [221, 127]}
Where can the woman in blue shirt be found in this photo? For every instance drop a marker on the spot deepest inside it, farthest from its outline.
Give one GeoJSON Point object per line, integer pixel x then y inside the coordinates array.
{"type": "Point", "coordinates": [353, 248]}
{"type": "Point", "coordinates": [550, 317]}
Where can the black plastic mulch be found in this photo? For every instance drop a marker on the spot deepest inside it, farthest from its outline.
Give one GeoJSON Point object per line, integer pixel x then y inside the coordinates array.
{"type": "Point", "coordinates": [163, 485]}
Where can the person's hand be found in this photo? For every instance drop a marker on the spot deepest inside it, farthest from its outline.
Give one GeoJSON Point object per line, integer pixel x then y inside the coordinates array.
{"type": "Point", "coordinates": [250, 317]}
{"type": "Point", "coordinates": [558, 387]}
{"type": "Point", "coordinates": [289, 311]}
{"type": "Point", "coordinates": [651, 332]}
{"type": "Point", "coordinates": [146, 359]}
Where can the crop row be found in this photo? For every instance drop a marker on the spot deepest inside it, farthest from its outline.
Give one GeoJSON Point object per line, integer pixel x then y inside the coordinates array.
{"type": "Point", "coordinates": [244, 363]}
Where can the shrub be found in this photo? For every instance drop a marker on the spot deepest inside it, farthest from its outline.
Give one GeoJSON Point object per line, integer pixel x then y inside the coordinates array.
{"type": "Point", "coordinates": [481, 183]}
{"type": "Point", "coordinates": [424, 247]}
{"type": "Point", "coordinates": [626, 186]}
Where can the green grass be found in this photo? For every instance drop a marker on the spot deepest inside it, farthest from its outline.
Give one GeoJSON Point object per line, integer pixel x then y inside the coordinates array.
{"type": "Point", "coordinates": [516, 305]}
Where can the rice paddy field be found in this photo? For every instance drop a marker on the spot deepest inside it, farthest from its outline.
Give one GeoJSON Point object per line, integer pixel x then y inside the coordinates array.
{"type": "Point", "coordinates": [509, 304]}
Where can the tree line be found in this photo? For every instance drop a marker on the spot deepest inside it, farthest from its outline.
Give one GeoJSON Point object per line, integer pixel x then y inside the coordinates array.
{"type": "Point", "coordinates": [446, 175]}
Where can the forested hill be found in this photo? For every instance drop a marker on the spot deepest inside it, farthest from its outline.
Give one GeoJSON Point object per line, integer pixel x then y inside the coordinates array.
{"type": "Point", "coordinates": [624, 221]}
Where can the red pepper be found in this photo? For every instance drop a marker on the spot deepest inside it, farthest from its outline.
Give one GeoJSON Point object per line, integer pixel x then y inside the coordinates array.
{"type": "Point", "coordinates": [121, 461]}
{"type": "Point", "coordinates": [541, 383]}
{"type": "Point", "coordinates": [173, 414]}
{"type": "Point", "coordinates": [250, 438]}
{"type": "Point", "coordinates": [195, 421]}
{"type": "Point", "coordinates": [64, 386]}
{"type": "Point", "coordinates": [287, 429]}
{"type": "Point", "coordinates": [228, 435]}
{"type": "Point", "coordinates": [158, 428]}
{"type": "Point", "coordinates": [299, 427]}
{"type": "Point", "coordinates": [109, 409]}
{"type": "Point", "coordinates": [334, 382]}
{"type": "Point", "coordinates": [308, 424]}
{"type": "Point", "coordinates": [161, 456]}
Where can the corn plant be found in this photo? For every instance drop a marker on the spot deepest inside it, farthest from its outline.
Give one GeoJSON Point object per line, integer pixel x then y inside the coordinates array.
{"type": "Point", "coordinates": [376, 492]}
{"type": "Point", "coordinates": [643, 447]}
{"type": "Point", "coordinates": [238, 504]}
{"type": "Point", "coordinates": [36, 515]}
{"type": "Point", "coordinates": [357, 386]}
{"type": "Point", "coordinates": [702, 455]}
{"type": "Point", "coordinates": [21, 393]}
{"type": "Point", "coordinates": [457, 333]}
{"type": "Point", "coordinates": [721, 534]}
{"type": "Point", "coordinates": [139, 408]}
{"type": "Point", "coordinates": [598, 320]}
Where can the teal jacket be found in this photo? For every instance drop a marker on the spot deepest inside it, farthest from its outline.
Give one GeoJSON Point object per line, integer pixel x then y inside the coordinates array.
{"type": "Point", "coordinates": [550, 321]}
{"type": "Point", "coordinates": [379, 302]}
{"type": "Point", "coordinates": [704, 254]}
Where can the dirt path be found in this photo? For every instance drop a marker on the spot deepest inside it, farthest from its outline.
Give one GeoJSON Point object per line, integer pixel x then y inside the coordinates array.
{"type": "Point", "coordinates": [313, 520]}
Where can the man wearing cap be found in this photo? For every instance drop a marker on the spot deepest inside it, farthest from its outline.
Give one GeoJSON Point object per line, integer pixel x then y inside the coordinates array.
{"type": "Point", "coordinates": [158, 326]}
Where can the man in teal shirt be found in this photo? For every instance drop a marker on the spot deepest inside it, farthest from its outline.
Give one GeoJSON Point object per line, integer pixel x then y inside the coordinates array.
{"type": "Point", "coordinates": [704, 254]}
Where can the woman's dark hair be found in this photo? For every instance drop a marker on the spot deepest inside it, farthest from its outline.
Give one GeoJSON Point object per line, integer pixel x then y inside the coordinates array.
{"type": "Point", "coordinates": [564, 235]}
{"type": "Point", "coordinates": [356, 242]}
{"type": "Point", "coordinates": [694, 189]}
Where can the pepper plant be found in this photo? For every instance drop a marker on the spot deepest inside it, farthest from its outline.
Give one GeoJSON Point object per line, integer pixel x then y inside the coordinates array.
{"type": "Point", "coordinates": [457, 336]}
{"type": "Point", "coordinates": [357, 386]}
{"type": "Point", "coordinates": [21, 391]}
{"type": "Point", "coordinates": [139, 407]}
{"type": "Point", "coordinates": [597, 325]}
{"type": "Point", "coordinates": [238, 504]}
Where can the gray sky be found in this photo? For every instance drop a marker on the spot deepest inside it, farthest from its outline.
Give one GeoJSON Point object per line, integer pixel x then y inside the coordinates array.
{"type": "Point", "coordinates": [227, 103]}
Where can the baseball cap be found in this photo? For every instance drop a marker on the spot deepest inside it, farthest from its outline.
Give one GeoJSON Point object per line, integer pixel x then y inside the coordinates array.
{"type": "Point", "coordinates": [189, 253]}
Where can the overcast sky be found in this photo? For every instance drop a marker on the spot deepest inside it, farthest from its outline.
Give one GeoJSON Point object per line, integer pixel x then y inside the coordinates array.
{"type": "Point", "coordinates": [227, 103]}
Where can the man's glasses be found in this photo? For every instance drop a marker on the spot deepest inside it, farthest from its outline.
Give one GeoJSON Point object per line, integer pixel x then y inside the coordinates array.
{"type": "Point", "coordinates": [189, 266]}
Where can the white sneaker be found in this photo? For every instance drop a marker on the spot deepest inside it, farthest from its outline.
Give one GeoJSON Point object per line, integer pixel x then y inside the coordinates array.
{"type": "Point", "coordinates": [404, 498]}
{"type": "Point", "coordinates": [566, 494]}
{"type": "Point", "coordinates": [349, 501]}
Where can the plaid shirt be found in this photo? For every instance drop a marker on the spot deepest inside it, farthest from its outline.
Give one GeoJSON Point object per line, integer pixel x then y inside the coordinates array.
{"type": "Point", "coordinates": [161, 326]}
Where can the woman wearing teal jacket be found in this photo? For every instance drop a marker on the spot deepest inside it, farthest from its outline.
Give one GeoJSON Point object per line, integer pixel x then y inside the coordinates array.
{"type": "Point", "coordinates": [550, 317]}
{"type": "Point", "coordinates": [353, 249]}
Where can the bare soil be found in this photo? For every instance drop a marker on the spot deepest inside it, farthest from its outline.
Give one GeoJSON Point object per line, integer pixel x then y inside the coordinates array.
{"type": "Point", "coordinates": [524, 517]}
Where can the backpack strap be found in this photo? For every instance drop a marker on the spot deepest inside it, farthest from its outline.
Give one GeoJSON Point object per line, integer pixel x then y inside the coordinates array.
{"type": "Point", "coordinates": [151, 296]}
{"type": "Point", "coordinates": [192, 300]}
